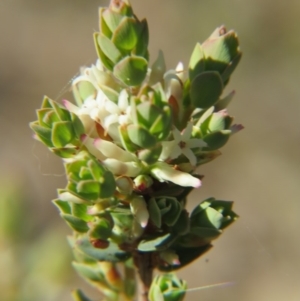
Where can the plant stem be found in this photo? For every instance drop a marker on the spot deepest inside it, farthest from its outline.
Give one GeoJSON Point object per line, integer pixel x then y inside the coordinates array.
{"type": "Point", "coordinates": [144, 264]}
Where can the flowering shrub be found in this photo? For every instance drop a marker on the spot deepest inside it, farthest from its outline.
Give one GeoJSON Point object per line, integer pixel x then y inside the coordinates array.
{"type": "Point", "coordinates": [131, 145]}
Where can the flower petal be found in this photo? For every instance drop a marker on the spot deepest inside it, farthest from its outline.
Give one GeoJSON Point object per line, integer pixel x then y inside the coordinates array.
{"type": "Point", "coordinates": [190, 155]}
{"type": "Point", "coordinates": [167, 149]}
{"type": "Point", "coordinates": [176, 135]}
{"type": "Point", "coordinates": [186, 134]}
{"type": "Point", "coordinates": [194, 142]}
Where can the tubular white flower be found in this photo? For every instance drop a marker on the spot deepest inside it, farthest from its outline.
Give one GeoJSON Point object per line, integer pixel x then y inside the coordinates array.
{"type": "Point", "coordinates": [103, 111]}
{"type": "Point", "coordinates": [118, 168]}
{"type": "Point", "coordinates": [89, 144]}
{"type": "Point", "coordinates": [164, 172]}
{"type": "Point", "coordinates": [111, 150]}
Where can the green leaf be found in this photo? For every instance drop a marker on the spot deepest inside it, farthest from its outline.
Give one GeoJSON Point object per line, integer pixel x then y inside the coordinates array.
{"type": "Point", "coordinates": [156, 120]}
{"type": "Point", "coordinates": [101, 229]}
{"type": "Point", "coordinates": [197, 62]}
{"type": "Point", "coordinates": [125, 36]}
{"type": "Point", "coordinates": [108, 185]}
{"type": "Point", "coordinates": [62, 133]}
{"type": "Point", "coordinates": [186, 256]}
{"type": "Point", "coordinates": [80, 211]}
{"type": "Point", "coordinates": [103, 58]}
{"type": "Point", "coordinates": [111, 18]}
{"type": "Point", "coordinates": [225, 207]}
{"type": "Point", "coordinates": [230, 68]}
{"type": "Point", "coordinates": [154, 212]}
{"type": "Point", "coordinates": [171, 210]}
{"type": "Point", "coordinates": [157, 243]}
{"type": "Point", "coordinates": [46, 102]}
{"type": "Point", "coordinates": [85, 89]}
{"type": "Point", "coordinates": [41, 115]}
{"type": "Point", "coordinates": [182, 225]}
{"type": "Point", "coordinates": [206, 233]}
{"type": "Point", "coordinates": [49, 118]}
{"type": "Point", "coordinates": [61, 112]}
{"type": "Point", "coordinates": [216, 140]}
{"type": "Point", "coordinates": [112, 253]}
{"type": "Point", "coordinates": [89, 272]}
{"type": "Point", "coordinates": [109, 48]}
{"type": "Point", "coordinates": [220, 50]}
{"type": "Point", "coordinates": [89, 188]}
{"type": "Point", "coordinates": [75, 223]}
{"type": "Point", "coordinates": [78, 295]}
{"type": "Point", "coordinates": [201, 207]}
{"type": "Point", "coordinates": [126, 142]}
{"type": "Point", "coordinates": [63, 206]}
{"type": "Point", "coordinates": [158, 69]}
{"type": "Point", "coordinates": [44, 134]}
{"type": "Point", "coordinates": [206, 89]}
{"type": "Point", "coordinates": [167, 287]}
{"type": "Point", "coordinates": [150, 155]}
{"type": "Point", "coordinates": [217, 122]}
{"type": "Point", "coordinates": [141, 48]}
{"type": "Point", "coordinates": [111, 94]}
{"type": "Point", "coordinates": [65, 152]}
{"type": "Point", "coordinates": [131, 70]}
{"type": "Point", "coordinates": [140, 136]}
{"type": "Point", "coordinates": [205, 157]}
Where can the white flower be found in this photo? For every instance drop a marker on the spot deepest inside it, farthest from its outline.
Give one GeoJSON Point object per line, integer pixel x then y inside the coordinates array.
{"type": "Point", "coordinates": [182, 144]}
{"type": "Point", "coordinates": [104, 112]}
{"type": "Point", "coordinates": [164, 172]}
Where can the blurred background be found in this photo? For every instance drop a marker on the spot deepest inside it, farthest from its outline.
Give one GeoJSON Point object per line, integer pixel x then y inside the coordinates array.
{"type": "Point", "coordinates": [43, 44]}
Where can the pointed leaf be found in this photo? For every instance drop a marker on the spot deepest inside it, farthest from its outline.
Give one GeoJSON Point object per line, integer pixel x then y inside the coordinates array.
{"type": "Point", "coordinates": [44, 134]}
{"type": "Point", "coordinates": [158, 69]}
{"type": "Point", "coordinates": [75, 223]}
{"type": "Point", "coordinates": [63, 206]}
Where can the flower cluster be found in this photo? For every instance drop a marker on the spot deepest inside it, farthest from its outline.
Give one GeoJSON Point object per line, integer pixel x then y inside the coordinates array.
{"type": "Point", "coordinates": [131, 145]}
